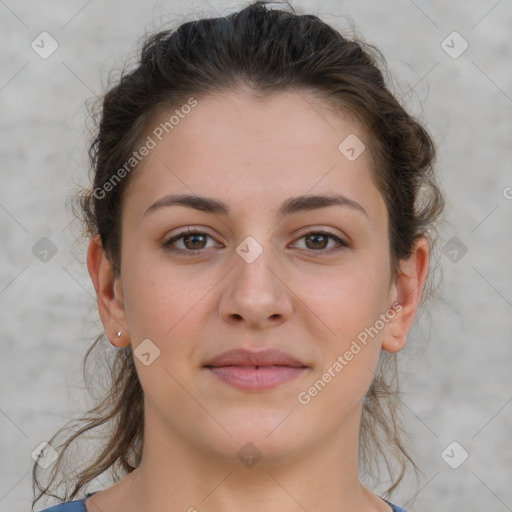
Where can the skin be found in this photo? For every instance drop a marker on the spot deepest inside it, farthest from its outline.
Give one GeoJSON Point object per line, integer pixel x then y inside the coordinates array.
{"type": "Point", "coordinates": [294, 296]}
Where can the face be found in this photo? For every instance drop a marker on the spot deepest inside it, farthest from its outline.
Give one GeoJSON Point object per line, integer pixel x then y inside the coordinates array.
{"type": "Point", "coordinates": [290, 285]}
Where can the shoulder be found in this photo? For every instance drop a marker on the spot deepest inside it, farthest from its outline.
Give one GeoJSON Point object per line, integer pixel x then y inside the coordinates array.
{"type": "Point", "coordinates": [396, 508]}
{"type": "Point", "coordinates": [68, 506]}
{"type": "Point", "coordinates": [79, 506]}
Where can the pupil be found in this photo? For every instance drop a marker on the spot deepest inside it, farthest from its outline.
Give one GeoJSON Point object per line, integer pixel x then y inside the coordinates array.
{"type": "Point", "coordinates": [188, 237]}
{"type": "Point", "coordinates": [316, 237]}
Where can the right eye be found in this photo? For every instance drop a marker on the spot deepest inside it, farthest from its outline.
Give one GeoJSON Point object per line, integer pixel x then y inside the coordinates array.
{"type": "Point", "coordinates": [193, 241]}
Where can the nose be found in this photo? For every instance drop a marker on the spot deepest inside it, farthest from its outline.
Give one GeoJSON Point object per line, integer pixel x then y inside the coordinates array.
{"type": "Point", "coordinates": [256, 293]}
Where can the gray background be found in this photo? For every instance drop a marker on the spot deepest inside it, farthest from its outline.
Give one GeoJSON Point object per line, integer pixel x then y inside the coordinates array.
{"type": "Point", "coordinates": [456, 368]}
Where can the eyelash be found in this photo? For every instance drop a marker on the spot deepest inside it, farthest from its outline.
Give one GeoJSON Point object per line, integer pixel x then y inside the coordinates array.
{"type": "Point", "coordinates": [193, 231]}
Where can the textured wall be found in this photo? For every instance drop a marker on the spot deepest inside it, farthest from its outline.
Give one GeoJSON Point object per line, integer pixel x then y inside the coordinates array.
{"type": "Point", "coordinates": [456, 368]}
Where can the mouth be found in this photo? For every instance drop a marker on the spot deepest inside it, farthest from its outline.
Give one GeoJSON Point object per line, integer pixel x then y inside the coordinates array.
{"type": "Point", "coordinates": [255, 371]}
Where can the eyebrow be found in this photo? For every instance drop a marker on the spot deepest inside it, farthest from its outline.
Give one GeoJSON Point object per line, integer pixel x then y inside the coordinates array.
{"type": "Point", "coordinates": [290, 206]}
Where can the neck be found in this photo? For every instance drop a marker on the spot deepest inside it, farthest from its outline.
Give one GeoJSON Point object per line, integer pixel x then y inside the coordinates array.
{"type": "Point", "coordinates": [175, 476]}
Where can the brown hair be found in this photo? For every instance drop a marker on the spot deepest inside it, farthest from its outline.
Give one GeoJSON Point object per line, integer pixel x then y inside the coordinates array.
{"type": "Point", "coordinates": [265, 50]}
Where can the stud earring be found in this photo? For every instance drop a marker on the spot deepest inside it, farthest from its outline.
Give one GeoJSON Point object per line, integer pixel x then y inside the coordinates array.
{"type": "Point", "coordinates": [118, 334]}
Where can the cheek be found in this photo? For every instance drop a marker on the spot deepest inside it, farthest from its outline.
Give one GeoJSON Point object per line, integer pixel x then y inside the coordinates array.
{"type": "Point", "coordinates": [350, 298]}
{"type": "Point", "coordinates": [351, 307]}
{"type": "Point", "coordinates": [158, 297]}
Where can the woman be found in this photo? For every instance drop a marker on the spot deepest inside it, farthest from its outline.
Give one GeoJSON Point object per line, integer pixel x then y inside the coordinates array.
{"type": "Point", "coordinates": [260, 228]}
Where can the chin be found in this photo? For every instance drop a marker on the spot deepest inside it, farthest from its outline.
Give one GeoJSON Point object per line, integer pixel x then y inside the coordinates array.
{"type": "Point", "coordinates": [269, 436]}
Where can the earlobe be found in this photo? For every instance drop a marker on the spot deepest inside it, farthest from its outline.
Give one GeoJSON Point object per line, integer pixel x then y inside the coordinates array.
{"type": "Point", "coordinates": [394, 342]}
{"type": "Point", "coordinates": [108, 292]}
{"type": "Point", "coordinates": [407, 291]}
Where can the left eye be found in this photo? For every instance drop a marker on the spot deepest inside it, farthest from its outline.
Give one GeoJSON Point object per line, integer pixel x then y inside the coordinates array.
{"type": "Point", "coordinates": [320, 239]}
{"type": "Point", "coordinates": [194, 241]}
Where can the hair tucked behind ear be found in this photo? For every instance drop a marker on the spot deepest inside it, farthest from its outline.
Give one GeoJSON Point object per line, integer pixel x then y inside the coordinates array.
{"type": "Point", "coordinates": [265, 50]}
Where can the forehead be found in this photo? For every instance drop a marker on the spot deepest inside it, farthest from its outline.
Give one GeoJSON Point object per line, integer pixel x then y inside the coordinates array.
{"type": "Point", "coordinates": [253, 151]}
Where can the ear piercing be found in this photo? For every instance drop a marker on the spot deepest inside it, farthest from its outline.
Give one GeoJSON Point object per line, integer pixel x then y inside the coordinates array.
{"type": "Point", "coordinates": [117, 336]}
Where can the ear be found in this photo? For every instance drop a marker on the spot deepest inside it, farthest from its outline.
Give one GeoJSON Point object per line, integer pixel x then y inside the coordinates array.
{"type": "Point", "coordinates": [406, 294]}
{"type": "Point", "coordinates": [108, 292]}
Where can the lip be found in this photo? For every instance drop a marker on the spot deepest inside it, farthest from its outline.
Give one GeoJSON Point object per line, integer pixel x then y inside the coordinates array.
{"type": "Point", "coordinates": [243, 357]}
{"type": "Point", "coordinates": [255, 371]}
